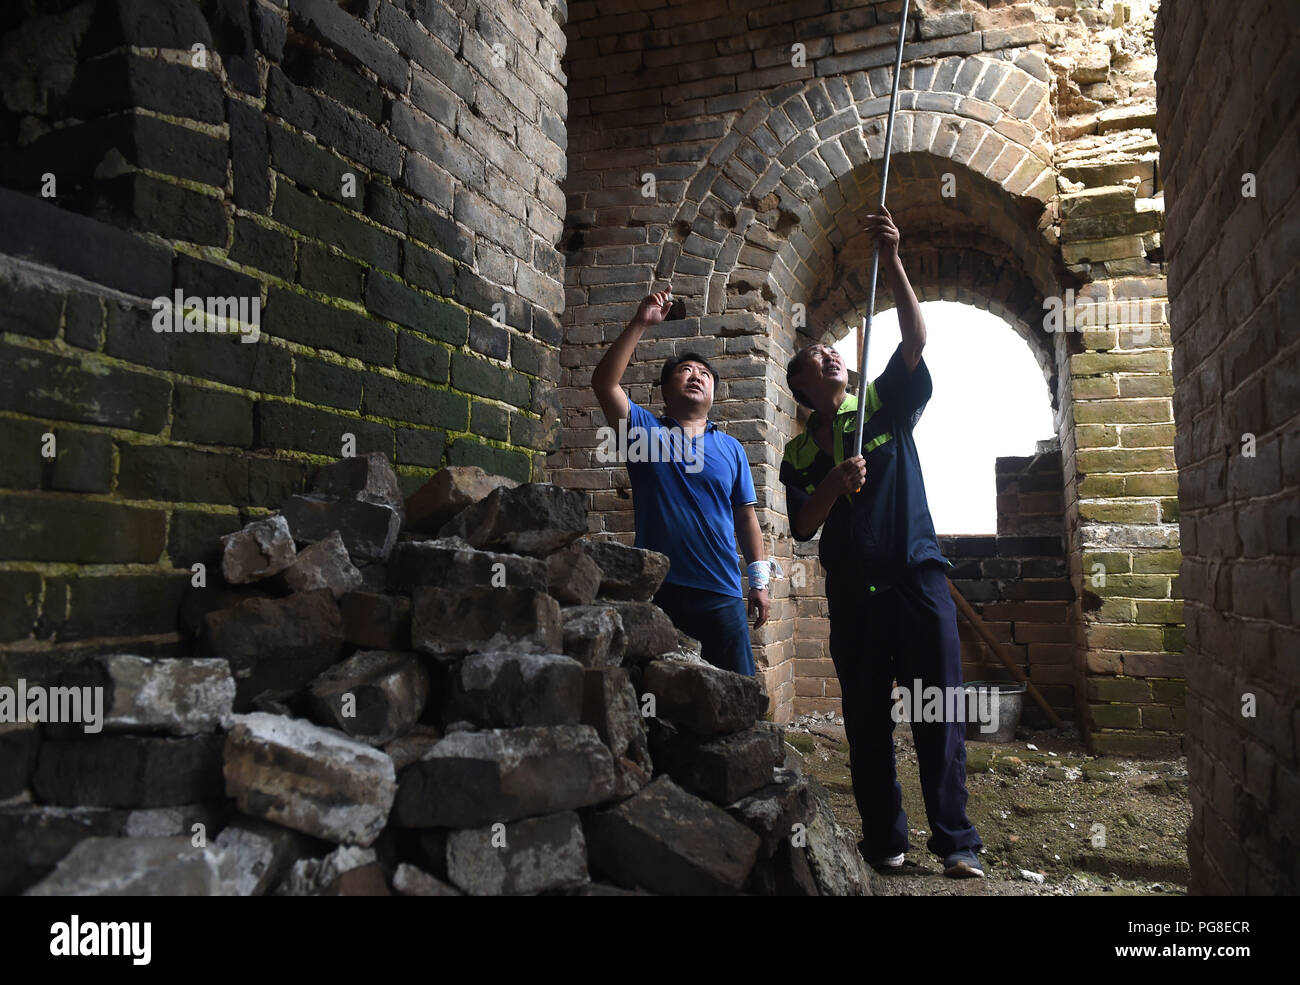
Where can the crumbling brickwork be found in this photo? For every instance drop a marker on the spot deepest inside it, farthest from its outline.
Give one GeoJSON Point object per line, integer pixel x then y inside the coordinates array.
{"type": "Point", "coordinates": [381, 178]}
{"type": "Point", "coordinates": [374, 708]}
{"type": "Point", "coordinates": [1229, 105]}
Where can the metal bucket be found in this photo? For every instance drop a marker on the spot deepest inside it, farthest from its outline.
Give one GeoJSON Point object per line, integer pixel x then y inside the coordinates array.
{"type": "Point", "coordinates": [1009, 697]}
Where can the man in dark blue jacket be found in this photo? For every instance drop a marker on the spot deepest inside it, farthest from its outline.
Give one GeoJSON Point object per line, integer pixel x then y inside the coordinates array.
{"type": "Point", "coordinates": [891, 614]}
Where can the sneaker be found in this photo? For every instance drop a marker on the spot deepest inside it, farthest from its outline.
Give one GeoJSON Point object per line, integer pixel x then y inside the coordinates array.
{"type": "Point", "coordinates": [964, 864]}
{"type": "Point", "coordinates": [891, 863]}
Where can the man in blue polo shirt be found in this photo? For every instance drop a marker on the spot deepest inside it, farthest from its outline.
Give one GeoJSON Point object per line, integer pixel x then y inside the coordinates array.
{"type": "Point", "coordinates": [692, 494]}
{"type": "Point", "coordinates": [891, 614]}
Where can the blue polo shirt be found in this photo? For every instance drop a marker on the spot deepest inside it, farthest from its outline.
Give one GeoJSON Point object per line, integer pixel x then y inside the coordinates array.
{"type": "Point", "coordinates": [685, 506]}
{"type": "Point", "coordinates": [885, 528]}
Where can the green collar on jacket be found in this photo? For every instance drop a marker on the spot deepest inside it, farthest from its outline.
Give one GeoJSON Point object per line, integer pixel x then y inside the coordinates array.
{"type": "Point", "coordinates": [802, 450]}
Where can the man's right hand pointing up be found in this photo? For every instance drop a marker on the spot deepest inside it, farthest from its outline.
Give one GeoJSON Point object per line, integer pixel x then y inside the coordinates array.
{"type": "Point", "coordinates": [653, 309]}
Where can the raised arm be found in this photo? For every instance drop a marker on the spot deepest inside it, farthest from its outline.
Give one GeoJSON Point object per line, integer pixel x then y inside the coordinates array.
{"type": "Point", "coordinates": [606, 380]}
{"type": "Point", "coordinates": [882, 230]}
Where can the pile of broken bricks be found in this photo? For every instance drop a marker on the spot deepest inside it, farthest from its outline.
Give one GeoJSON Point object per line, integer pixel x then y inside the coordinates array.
{"type": "Point", "coordinates": [455, 693]}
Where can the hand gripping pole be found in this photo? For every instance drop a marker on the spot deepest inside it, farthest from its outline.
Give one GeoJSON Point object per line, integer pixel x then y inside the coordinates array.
{"type": "Point", "coordinates": [875, 252]}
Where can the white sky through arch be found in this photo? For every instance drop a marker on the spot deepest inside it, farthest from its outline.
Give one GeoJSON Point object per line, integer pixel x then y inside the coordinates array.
{"type": "Point", "coordinates": [989, 400]}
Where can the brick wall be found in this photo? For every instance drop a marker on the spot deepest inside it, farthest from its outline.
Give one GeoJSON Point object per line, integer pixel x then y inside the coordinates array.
{"type": "Point", "coordinates": [1018, 588]}
{"type": "Point", "coordinates": [1040, 118]}
{"type": "Point", "coordinates": [382, 177]}
{"type": "Point", "coordinates": [1018, 584]}
{"type": "Point", "coordinates": [1228, 114]}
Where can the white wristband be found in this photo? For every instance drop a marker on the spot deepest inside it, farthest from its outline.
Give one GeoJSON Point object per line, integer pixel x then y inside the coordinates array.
{"type": "Point", "coordinates": [760, 572]}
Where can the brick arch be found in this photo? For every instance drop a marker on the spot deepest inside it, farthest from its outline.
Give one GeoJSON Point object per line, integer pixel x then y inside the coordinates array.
{"type": "Point", "coordinates": [784, 232]}
{"type": "Point", "coordinates": [775, 210]}
{"type": "Point", "coordinates": [981, 248]}
{"type": "Point", "coordinates": [816, 143]}
{"type": "Point", "coordinates": [979, 275]}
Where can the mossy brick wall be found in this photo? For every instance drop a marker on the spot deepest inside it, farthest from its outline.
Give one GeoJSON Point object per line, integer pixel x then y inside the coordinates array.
{"type": "Point", "coordinates": [383, 177]}
{"type": "Point", "coordinates": [1041, 114]}
{"type": "Point", "coordinates": [1139, 705]}
{"type": "Point", "coordinates": [1230, 150]}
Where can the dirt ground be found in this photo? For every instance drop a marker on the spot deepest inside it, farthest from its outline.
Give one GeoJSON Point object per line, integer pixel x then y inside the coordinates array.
{"type": "Point", "coordinates": [1038, 812]}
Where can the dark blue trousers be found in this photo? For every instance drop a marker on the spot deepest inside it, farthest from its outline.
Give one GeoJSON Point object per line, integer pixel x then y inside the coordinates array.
{"type": "Point", "coordinates": [718, 621]}
{"type": "Point", "coordinates": [905, 629]}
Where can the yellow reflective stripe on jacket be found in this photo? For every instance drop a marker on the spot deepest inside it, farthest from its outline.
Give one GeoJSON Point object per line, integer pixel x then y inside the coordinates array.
{"type": "Point", "coordinates": [845, 416]}
{"type": "Point", "coordinates": [846, 421]}
{"type": "Point", "coordinates": [801, 451]}
{"type": "Point", "coordinates": [873, 400]}
{"type": "Point", "coordinates": [876, 442]}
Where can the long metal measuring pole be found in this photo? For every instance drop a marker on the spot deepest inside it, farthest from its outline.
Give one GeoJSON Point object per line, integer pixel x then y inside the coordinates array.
{"type": "Point", "coordinates": [875, 251]}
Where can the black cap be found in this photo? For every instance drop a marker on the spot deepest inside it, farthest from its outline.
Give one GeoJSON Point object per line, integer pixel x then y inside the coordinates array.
{"type": "Point", "coordinates": [686, 357]}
